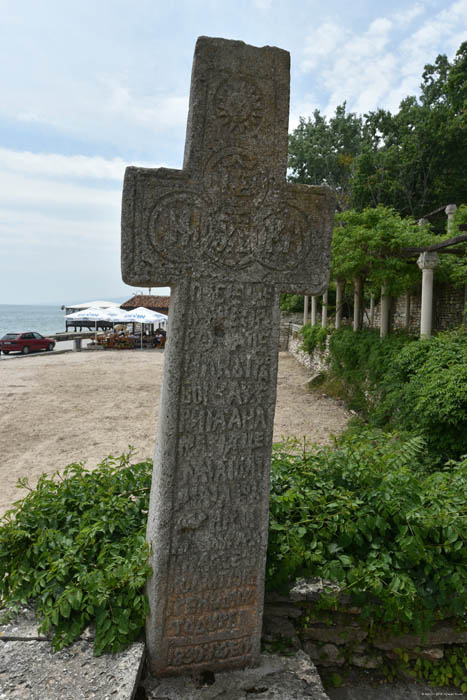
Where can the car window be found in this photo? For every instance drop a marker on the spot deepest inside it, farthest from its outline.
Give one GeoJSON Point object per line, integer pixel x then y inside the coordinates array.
{"type": "Point", "coordinates": [27, 336]}
{"type": "Point", "coordinates": [38, 336]}
{"type": "Point", "coordinates": [10, 336]}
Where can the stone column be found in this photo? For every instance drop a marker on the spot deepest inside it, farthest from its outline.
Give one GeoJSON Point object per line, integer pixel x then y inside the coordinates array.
{"type": "Point", "coordinates": [305, 309]}
{"type": "Point", "coordinates": [385, 308]}
{"type": "Point", "coordinates": [450, 212]}
{"type": "Point", "coordinates": [357, 303]}
{"type": "Point", "coordinates": [372, 310]}
{"type": "Point", "coordinates": [324, 314]}
{"type": "Point", "coordinates": [313, 310]}
{"type": "Point", "coordinates": [427, 263]}
{"type": "Point", "coordinates": [339, 295]}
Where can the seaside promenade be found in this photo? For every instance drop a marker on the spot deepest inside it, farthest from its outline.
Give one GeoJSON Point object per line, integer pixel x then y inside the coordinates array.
{"type": "Point", "coordinates": [61, 346]}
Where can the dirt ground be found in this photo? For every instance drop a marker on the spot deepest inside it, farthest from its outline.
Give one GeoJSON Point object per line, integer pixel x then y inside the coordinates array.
{"type": "Point", "coordinates": [73, 407]}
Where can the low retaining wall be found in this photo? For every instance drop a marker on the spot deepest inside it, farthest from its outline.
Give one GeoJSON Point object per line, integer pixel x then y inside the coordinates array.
{"type": "Point", "coordinates": [342, 637]}
{"type": "Point", "coordinates": [317, 362]}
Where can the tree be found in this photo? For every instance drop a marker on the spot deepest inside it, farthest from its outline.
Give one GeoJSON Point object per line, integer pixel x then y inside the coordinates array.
{"type": "Point", "coordinates": [366, 245]}
{"type": "Point", "coordinates": [414, 161]}
{"type": "Point", "coordinates": [323, 152]}
{"type": "Point", "coordinates": [417, 159]}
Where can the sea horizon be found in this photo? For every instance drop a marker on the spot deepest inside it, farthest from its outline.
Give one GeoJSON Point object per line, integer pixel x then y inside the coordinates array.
{"type": "Point", "coordinates": [41, 318]}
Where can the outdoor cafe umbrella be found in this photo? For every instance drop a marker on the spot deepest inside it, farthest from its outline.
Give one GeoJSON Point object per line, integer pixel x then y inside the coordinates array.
{"type": "Point", "coordinates": [142, 315]}
{"type": "Point", "coordinates": [115, 315]}
{"type": "Point", "coordinates": [88, 315]}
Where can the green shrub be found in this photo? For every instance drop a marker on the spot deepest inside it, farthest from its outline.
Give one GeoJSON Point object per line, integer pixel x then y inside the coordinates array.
{"type": "Point", "coordinates": [360, 361]}
{"type": "Point", "coordinates": [366, 512]}
{"type": "Point", "coordinates": [75, 545]}
{"type": "Point", "coordinates": [314, 337]}
{"type": "Point", "coordinates": [424, 389]}
{"type": "Point", "coordinates": [291, 302]}
{"type": "Point", "coordinates": [369, 514]}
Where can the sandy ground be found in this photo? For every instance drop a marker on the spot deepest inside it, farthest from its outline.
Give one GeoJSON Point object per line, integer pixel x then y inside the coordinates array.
{"type": "Point", "coordinates": [72, 407]}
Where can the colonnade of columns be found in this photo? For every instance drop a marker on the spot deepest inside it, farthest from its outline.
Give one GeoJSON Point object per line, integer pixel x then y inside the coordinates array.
{"type": "Point", "coordinates": [427, 262]}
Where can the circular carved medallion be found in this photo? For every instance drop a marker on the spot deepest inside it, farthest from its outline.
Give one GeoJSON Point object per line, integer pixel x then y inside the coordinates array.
{"type": "Point", "coordinates": [239, 105]}
{"type": "Point", "coordinates": [176, 225]}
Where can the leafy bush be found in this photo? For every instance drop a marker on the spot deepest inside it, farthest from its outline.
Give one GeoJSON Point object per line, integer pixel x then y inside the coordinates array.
{"type": "Point", "coordinates": [424, 389]}
{"type": "Point", "coordinates": [291, 302]}
{"type": "Point", "coordinates": [314, 337]}
{"type": "Point", "coordinates": [75, 545]}
{"type": "Point", "coordinates": [366, 512]}
{"type": "Point", "coordinates": [360, 361]}
{"type": "Point", "coordinates": [369, 514]}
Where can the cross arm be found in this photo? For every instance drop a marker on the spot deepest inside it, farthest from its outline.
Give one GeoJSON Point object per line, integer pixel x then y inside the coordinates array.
{"type": "Point", "coordinates": [316, 205]}
{"type": "Point", "coordinates": [154, 225]}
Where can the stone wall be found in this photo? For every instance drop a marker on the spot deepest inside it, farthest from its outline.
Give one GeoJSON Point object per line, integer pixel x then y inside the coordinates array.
{"type": "Point", "coordinates": [343, 637]}
{"type": "Point", "coordinates": [448, 310]}
{"type": "Point", "coordinates": [316, 362]}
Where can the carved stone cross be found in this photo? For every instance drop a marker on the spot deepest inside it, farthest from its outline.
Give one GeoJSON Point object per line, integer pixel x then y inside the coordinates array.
{"type": "Point", "coordinates": [228, 234]}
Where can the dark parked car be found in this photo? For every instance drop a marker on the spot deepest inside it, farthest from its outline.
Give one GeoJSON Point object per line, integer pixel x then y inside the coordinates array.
{"type": "Point", "coordinates": [25, 342]}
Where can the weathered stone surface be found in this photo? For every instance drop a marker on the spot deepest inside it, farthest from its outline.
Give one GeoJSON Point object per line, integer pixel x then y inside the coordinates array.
{"type": "Point", "coordinates": [274, 598]}
{"type": "Point", "coordinates": [439, 634]}
{"type": "Point", "coordinates": [432, 654]}
{"type": "Point", "coordinates": [29, 670]}
{"type": "Point", "coordinates": [312, 650]}
{"type": "Point", "coordinates": [311, 590]}
{"type": "Point", "coordinates": [283, 611]}
{"type": "Point", "coordinates": [276, 678]}
{"type": "Point", "coordinates": [228, 234]}
{"type": "Point", "coordinates": [366, 661]}
{"type": "Point", "coordinates": [22, 626]}
{"type": "Point", "coordinates": [280, 629]}
{"type": "Point", "coordinates": [330, 655]}
{"type": "Point", "coordinates": [337, 634]}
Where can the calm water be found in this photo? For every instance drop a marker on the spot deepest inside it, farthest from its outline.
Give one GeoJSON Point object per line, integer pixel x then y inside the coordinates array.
{"type": "Point", "coordinates": [20, 318]}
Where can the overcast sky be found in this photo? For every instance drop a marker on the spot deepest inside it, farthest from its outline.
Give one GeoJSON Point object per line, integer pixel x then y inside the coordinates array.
{"type": "Point", "coordinates": [90, 86]}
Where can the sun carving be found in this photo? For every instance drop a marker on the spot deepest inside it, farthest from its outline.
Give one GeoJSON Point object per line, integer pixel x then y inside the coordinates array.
{"type": "Point", "coordinates": [239, 105]}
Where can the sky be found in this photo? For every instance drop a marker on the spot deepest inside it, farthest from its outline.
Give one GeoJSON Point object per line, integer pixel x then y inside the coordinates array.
{"type": "Point", "coordinates": [90, 86]}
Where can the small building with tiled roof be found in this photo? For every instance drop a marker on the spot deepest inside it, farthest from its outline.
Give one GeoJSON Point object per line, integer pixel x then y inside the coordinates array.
{"type": "Point", "coordinates": [148, 301]}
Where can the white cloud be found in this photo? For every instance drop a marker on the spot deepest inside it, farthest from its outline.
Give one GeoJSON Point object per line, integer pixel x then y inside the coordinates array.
{"type": "Point", "coordinates": [160, 111]}
{"type": "Point", "coordinates": [404, 18]}
{"type": "Point", "coordinates": [26, 192]}
{"type": "Point", "coordinates": [322, 43]}
{"type": "Point", "coordinates": [382, 65]}
{"type": "Point", "coordinates": [60, 166]}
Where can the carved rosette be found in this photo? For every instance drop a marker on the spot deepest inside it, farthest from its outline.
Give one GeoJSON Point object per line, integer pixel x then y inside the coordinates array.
{"type": "Point", "coordinates": [239, 105]}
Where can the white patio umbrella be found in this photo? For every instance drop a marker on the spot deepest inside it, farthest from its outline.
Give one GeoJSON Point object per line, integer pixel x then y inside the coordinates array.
{"type": "Point", "coordinates": [115, 315]}
{"type": "Point", "coordinates": [88, 315]}
{"type": "Point", "coordinates": [142, 315]}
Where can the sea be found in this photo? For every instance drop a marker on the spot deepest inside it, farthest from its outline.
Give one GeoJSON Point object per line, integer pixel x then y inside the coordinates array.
{"type": "Point", "coordinates": [18, 318]}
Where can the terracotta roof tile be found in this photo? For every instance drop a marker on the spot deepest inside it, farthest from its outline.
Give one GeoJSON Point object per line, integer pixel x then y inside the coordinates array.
{"type": "Point", "coordinates": [148, 301]}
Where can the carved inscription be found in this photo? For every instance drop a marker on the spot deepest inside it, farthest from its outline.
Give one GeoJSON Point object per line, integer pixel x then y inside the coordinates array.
{"type": "Point", "coordinates": [224, 423]}
{"type": "Point", "coordinates": [218, 651]}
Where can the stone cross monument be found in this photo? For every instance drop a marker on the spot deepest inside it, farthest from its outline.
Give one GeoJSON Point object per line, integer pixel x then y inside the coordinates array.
{"type": "Point", "coordinates": [228, 234]}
